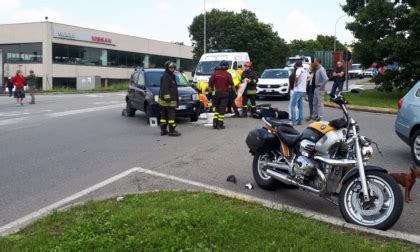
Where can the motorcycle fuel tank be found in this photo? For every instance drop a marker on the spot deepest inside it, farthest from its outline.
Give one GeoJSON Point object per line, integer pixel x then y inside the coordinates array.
{"type": "Point", "coordinates": [322, 127]}
{"type": "Point", "coordinates": [325, 145]}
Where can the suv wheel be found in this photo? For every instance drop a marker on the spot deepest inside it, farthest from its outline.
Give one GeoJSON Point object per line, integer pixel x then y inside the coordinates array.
{"type": "Point", "coordinates": [131, 112]}
{"type": "Point", "coordinates": [194, 117]}
{"type": "Point", "coordinates": [415, 146]}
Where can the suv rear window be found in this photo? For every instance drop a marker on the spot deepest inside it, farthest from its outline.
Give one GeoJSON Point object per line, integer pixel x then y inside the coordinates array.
{"type": "Point", "coordinates": [153, 79]}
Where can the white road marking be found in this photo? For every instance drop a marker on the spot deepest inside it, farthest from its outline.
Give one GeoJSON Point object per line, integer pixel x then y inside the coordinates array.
{"type": "Point", "coordinates": [12, 121]}
{"type": "Point", "coordinates": [26, 220]}
{"type": "Point", "coordinates": [58, 114]}
{"type": "Point", "coordinates": [82, 111]}
{"type": "Point", "coordinates": [24, 112]}
{"type": "Point", "coordinates": [94, 96]}
{"type": "Point", "coordinates": [106, 102]}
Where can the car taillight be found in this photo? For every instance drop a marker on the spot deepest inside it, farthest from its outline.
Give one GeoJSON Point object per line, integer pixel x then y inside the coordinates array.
{"type": "Point", "coordinates": [400, 103]}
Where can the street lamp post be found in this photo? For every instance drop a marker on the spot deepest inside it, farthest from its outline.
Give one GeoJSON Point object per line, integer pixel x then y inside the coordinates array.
{"type": "Point", "coordinates": [205, 26]}
{"type": "Point", "coordinates": [335, 29]}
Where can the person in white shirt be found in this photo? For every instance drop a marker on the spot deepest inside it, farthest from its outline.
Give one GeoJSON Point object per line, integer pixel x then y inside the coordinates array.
{"type": "Point", "coordinates": [299, 93]}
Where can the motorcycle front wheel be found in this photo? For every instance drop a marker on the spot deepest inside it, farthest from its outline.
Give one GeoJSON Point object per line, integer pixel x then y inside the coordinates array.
{"type": "Point", "coordinates": [385, 205]}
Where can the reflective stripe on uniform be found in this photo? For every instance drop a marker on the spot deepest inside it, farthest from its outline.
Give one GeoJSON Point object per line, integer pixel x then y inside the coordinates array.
{"type": "Point", "coordinates": [162, 121]}
{"type": "Point", "coordinates": [171, 121]}
{"type": "Point", "coordinates": [168, 96]}
{"type": "Point", "coordinates": [221, 118]}
{"type": "Point", "coordinates": [251, 92]}
{"type": "Point", "coordinates": [171, 103]}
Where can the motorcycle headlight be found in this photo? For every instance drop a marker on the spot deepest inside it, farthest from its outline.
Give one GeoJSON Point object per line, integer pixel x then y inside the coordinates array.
{"type": "Point", "coordinates": [195, 97]}
{"type": "Point", "coordinates": [156, 98]}
{"type": "Point", "coordinates": [367, 152]}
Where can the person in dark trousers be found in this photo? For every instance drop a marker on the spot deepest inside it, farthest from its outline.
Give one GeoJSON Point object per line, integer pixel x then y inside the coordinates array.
{"type": "Point", "coordinates": [231, 106]}
{"type": "Point", "coordinates": [339, 78]}
{"type": "Point", "coordinates": [251, 78]}
{"type": "Point", "coordinates": [31, 82]}
{"type": "Point", "coordinates": [168, 99]}
{"type": "Point", "coordinates": [221, 82]}
{"type": "Point", "coordinates": [321, 80]}
{"type": "Point", "coordinates": [310, 89]}
{"type": "Point", "coordinates": [10, 86]}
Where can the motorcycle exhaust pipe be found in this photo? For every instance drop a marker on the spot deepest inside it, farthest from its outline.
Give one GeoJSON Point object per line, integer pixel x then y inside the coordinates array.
{"type": "Point", "coordinates": [337, 162]}
{"type": "Point", "coordinates": [283, 167]}
{"type": "Point", "coordinates": [285, 179]}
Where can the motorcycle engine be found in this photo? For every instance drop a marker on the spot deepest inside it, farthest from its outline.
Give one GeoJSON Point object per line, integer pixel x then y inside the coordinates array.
{"type": "Point", "coordinates": [304, 166]}
{"type": "Point", "coordinates": [306, 148]}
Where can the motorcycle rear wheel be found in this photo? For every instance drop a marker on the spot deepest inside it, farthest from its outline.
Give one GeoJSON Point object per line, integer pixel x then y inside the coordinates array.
{"type": "Point", "coordinates": [262, 179]}
{"type": "Point", "coordinates": [385, 207]}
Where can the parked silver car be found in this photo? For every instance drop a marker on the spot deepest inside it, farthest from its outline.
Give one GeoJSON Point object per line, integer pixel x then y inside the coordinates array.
{"type": "Point", "coordinates": [407, 125]}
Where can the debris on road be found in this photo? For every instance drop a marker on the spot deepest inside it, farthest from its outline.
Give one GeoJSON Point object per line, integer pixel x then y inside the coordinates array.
{"type": "Point", "coordinates": [120, 198]}
{"type": "Point", "coordinates": [249, 186]}
{"type": "Point", "coordinates": [231, 178]}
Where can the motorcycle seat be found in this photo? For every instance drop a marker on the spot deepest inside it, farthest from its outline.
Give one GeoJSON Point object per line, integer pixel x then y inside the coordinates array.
{"type": "Point", "coordinates": [274, 123]}
{"type": "Point", "coordinates": [288, 135]}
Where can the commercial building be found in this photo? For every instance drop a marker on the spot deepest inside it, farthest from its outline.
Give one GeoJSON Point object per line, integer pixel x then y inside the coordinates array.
{"type": "Point", "coordinates": [60, 54]}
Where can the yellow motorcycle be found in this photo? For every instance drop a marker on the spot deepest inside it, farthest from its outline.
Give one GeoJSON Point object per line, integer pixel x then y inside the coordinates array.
{"type": "Point", "coordinates": [330, 160]}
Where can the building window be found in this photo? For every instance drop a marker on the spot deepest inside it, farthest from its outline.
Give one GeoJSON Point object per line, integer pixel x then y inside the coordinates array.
{"type": "Point", "coordinates": [22, 53]}
{"type": "Point", "coordinates": [189, 65]}
{"type": "Point", "coordinates": [79, 55]}
{"type": "Point", "coordinates": [69, 83]}
{"type": "Point", "coordinates": [158, 61]}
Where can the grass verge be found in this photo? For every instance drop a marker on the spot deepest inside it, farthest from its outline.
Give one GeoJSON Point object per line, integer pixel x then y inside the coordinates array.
{"type": "Point", "coordinates": [176, 221]}
{"type": "Point", "coordinates": [366, 82]}
{"type": "Point", "coordinates": [373, 98]}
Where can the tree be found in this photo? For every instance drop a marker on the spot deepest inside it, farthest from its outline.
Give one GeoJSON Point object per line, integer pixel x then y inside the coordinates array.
{"type": "Point", "coordinates": [387, 30]}
{"type": "Point", "coordinates": [241, 32]}
{"type": "Point", "coordinates": [322, 43]}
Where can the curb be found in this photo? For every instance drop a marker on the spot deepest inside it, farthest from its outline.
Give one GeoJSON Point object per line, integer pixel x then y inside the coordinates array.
{"type": "Point", "coordinates": [391, 235]}
{"type": "Point", "coordinates": [72, 200]}
{"type": "Point", "coordinates": [364, 109]}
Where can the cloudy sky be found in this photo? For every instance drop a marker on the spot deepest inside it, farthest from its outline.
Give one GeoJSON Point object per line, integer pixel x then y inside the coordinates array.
{"type": "Point", "coordinates": [168, 20]}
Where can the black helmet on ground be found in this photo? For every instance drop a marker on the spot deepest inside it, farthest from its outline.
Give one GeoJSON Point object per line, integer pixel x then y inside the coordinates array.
{"type": "Point", "coordinates": [224, 64]}
{"type": "Point", "coordinates": [168, 64]}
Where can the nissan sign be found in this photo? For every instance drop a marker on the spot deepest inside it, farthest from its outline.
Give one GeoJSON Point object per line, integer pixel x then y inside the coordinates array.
{"type": "Point", "coordinates": [84, 37]}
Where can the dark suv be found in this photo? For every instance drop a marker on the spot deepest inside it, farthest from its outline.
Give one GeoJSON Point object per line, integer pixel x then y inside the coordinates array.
{"type": "Point", "coordinates": [143, 95]}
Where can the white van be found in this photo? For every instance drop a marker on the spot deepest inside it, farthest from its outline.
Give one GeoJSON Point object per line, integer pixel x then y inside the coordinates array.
{"type": "Point", "coordinates": [209, 61]}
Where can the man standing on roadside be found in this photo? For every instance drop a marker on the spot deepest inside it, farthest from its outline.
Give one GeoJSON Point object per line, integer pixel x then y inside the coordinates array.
{"type": "Point", "coordinates": [10, 86]}
{"type": "Point", "coordinates": [31, 82]}
{"type": "Point", "coordinates": [220, 82]}
{"type": "Point", "coordinates": [301, 77]}
{"type": "Point", "coordinates": [321, 80]}
{"type": "Point", "coordinates": [168, 99]}
{"type": "Point", "coordinates": [339, 78]}
{"type": "Point", "coordinates": [251, 79]}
